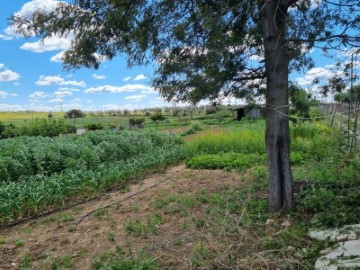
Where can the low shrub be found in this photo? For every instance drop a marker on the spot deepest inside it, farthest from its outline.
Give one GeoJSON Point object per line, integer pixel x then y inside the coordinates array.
{"type": "Point", "coordinates": [94, 126]}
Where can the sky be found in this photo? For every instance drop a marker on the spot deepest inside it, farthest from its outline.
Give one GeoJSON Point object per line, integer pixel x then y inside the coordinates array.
{"type": "Point", "coordinates": [32, 75]}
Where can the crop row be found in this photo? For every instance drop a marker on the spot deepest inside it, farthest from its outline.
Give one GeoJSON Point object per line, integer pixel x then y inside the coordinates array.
{"type": "Point", "coordinates": [105, 160]}
{"type": "Point", "coordinates": [22, 157]}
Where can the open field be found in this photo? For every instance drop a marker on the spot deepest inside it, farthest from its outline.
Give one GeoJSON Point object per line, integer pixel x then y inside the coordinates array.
{"type": "Point", "coordinates": [21, 119]}
{"type": "Point", "coordinates": [117, 200]}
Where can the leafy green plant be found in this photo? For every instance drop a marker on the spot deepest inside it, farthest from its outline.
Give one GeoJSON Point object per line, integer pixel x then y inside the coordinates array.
{"type": "Point", "coordinates": [194, 128]}
{"type": "Point", "coordinates": [118, 261]}
{"type": "Point", "coordinates": [76, 166]}
{"type": "Point", "coordinates": [94, 126]}
{"type": "Point", "coordinates": [137, 227]}
{"type": "Point", "coordinates": [226, 161]}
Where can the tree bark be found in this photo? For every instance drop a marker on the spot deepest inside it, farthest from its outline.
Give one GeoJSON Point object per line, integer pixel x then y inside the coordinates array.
{"type": "Point", "coordinates": [273, 19]}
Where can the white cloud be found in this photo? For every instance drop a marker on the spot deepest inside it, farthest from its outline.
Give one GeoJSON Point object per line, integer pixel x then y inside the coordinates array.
{"type": "Point", "coordinates": [3, 94]}
{"type": "Point", "coordinates": [57, 80]}
{"type": "Point", "coordinates": [69, 89]}
{"type": "Point", "coordinates": [8, 75]}
{"type": "Point", "coordinates": [314, 73]}
{"type": "Point", "coordinates": [99, 77]}
{"type": "Point", "coordinates": [61, 94]}
{"type": "Point", "coordinates": [58, 58]}
{"type": "Point", "coordinates": [41, 107]}
{"type": "Point", "coordinates": [13, 94]}
{"type": "Point", "coordinates": [3, 37]}
{"type": "Point", "coordinates": [140, 77]}
{"type": "Point", "coordinates": [29, 8]}
{"type": "Point", "coordinates": [70, 106]}
{"type": "Point", "coordinates": [136, 97]}
{"type": "Point", "coordinates": [110, 107]}
{"type": "Point", "coordinates": [8, 107]}
{"type": "Point", "coordinates": [76, 100]}
{"type": "Point", "coordinates": [38, 94]}
{"type": "Point", "coordinates": [89, 101]}
{"type": "Point", "coordinates": [2, 65]}
{"type": "Point", "coordinates": [48, 44]}
{"type": "Point", "coordinates": [118, 89]}
{"type": "Point", "coordinates": [127, 79]}
{"type": "Point", "coordinates": [55, 100]}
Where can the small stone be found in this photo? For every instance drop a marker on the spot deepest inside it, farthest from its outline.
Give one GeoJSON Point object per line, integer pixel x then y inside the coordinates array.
{"type": "Point", "coordinates": [291, 248]}
{"type": "Point", "coordinates": [269, 221]}
{"type": "Point", "coordinates": [339, 238]}
{"type": "Point", "coordinates": [326, 251]}
{"type": "Point", "coordinates": [345, 255]}
{"type": "Point", "coordinates": [286, 223]}
{"type": "Point", "coordinates": [352, 236]}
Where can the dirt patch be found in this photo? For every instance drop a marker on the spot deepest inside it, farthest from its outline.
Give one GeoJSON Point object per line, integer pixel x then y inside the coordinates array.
{"type": "Point", "coordinates": [146, 217]}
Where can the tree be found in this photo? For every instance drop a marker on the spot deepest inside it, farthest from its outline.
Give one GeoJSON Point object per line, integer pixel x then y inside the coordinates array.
{"type": "Point", "coordinates": [74, 113]}
{"type": "Point", "coordinates": [203, 48]}
{"type": "Point", "coordinates": [157, 117]}
{"type": "Point", "coordinates": [300, 102]}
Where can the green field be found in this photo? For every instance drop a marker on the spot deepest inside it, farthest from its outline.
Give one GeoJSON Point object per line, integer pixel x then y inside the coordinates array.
{"type": "Point", "coordinates": [40, 174]}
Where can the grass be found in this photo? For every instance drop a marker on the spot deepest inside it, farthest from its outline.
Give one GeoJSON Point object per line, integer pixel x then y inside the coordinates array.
{"type": "Point", "coordinates": [59, 263]}
{"type": "Point", "coordinates": [226, 228]}
{"type": "Point", "coordinates": [117, 261]}
{"type": "Point", "coordinates": [230, 227]}
{"type": "Point", "coordinates": [150, 226]}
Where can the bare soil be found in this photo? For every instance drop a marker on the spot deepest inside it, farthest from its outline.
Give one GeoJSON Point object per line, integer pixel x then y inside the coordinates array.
{"type": "Point", "coordinates": [59, 235]}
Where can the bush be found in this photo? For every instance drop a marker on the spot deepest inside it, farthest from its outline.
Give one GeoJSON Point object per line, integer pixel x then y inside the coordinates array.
{"type": "Point", "coordinates": [74, 114]}
{"type": "Point", "coordinates": [136, 122]}
{"type": "Point", "coordinates": [157, 117]}
{"type": "Point", "coordinates": [210, 110]}
{"type": "Point", "coordinates": [194, 127]}
{"type": "Point", "coordinates": [94, 126]}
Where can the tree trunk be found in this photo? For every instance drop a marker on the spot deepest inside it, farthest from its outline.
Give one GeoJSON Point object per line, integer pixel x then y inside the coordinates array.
{"type": "Point", "coordinates": [273, 18]}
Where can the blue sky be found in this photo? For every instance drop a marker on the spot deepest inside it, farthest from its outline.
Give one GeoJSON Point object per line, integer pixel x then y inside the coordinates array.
{"type": "Point", "coordinates": [32, 77]}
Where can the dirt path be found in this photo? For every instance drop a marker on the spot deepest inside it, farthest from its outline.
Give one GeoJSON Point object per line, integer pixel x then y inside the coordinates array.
{"type": "Point", "coordinates": [57, 239]}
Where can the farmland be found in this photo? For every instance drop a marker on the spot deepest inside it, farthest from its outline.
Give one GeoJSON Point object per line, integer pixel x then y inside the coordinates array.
{"type": "Point", "coordinates": [208, 211]}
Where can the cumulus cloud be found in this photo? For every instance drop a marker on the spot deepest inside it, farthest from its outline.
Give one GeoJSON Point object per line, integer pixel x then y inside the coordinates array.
{"type": "Point", "coordinates": [4, 37]}
{"type": "Point", "coordinates": [2, 65]}
{"type": "Point", "coordinates": [57, 80]}
{"type": "Point", "coordinates": [69, 89]}
{"type": "Point", "coordinates": [9, 107]}
{"type": "Point", "coordinates": [70, 106]}
{"type": "Point", "coordinates": [3, 94]}
{"type": "Point", "coordinates": [9, 75]}
{"type": "Point", "coordinates": [118, 89]}
{"type": "Point", "coordinates": [140, 77]}
{"type": "Point", "coordinates": [55, 100]}
{"type": "Point", "coordinates": [318, 73]}
{"type": "Point", "coordinates": [41, 107]}
{"type": "Point", "coordinates": [136, 97]}
{"type": "Point", "coordinates": [48, 44]}
{"type": "Point", "coordinates": [57, 58]}
{"type": "Point", "coordinates": [29, 8]}
{"type": "Point", "coordinates": [127, 79]}
{"type": "Point", "coordinates": [111, 107]}
{"type": "Point", "coordinates": [39, 94]}
{"type": "Point", "coordinates": [99, 77]}
{"type": "Point", "coordinates": [61, 94]}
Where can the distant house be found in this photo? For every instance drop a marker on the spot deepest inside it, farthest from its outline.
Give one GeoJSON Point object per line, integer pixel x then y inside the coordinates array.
{"type": "Point", "coordinates": [251, 113]}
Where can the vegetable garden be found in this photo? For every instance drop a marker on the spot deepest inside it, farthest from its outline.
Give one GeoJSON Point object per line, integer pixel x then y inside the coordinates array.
{"type": "Point", "coordinates": [38, 173]}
